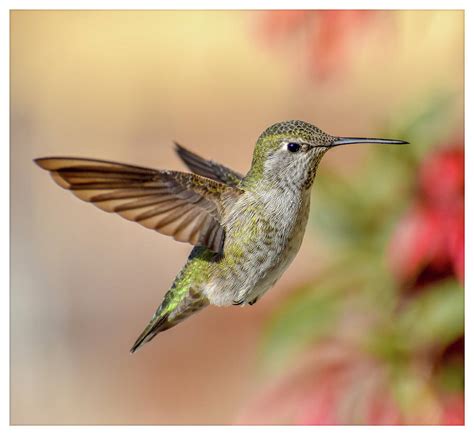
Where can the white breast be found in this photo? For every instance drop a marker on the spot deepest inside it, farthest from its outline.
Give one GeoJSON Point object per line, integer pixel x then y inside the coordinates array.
{"type": "Point", "coordinates": [284, 217]}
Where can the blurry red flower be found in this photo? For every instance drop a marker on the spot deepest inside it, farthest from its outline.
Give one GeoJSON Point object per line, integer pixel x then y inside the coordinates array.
{"type": "Point", "coordinates": [419, 249]}
{"type": "Point", "coordinates": [335, 384]}
{"type": "Point", "coordinates": [331, 37]}
{"type": "Point", "coordinates": [282, 23]}
{"type": "Point", "coordinates": [329, 34]}
{"type": "Point", "coordinates": [442, 178]}
{"type": "Point", "coordinates": [453, 410]}
{"type": "Point", "coordinates": [456, 242]}
{"type": "Point", "coordinates": [428, 242]}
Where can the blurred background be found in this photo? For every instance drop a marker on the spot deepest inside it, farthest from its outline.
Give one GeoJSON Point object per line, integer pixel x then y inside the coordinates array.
{"type": "Point", "coordinates": [367, 324]}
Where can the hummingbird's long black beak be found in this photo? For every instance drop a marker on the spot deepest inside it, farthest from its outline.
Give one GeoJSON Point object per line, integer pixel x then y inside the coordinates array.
{"type": "Point", "coordinates": [351, 140]}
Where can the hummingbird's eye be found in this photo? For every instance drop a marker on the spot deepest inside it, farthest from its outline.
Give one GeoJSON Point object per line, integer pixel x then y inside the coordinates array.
{"type": "Point", "coordinates": [293, 147]}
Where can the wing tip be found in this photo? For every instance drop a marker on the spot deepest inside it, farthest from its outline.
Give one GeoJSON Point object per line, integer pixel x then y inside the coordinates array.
{"type": "Point", "coordinates": [180, 149]}
{"type": "Point", "coordinates": [55, 163]}
{"type": "Point", "coordinates": [42, 162]}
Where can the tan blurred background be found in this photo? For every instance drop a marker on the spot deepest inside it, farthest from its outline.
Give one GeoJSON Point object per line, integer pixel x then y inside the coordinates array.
{"type": "Point", "coordinates": [122, 86]}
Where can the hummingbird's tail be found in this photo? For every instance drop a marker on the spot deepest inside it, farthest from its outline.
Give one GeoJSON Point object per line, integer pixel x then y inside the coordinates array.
{"type": "Point", "coordinates": [175, 307]}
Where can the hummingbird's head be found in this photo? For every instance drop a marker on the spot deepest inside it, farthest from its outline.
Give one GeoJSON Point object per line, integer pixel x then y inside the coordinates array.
{"type": "Point", "coordinates": [287, 154]}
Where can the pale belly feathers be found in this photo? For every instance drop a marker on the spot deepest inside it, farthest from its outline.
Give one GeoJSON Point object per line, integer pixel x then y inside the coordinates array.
{"type": "Point", "coordinates": [263, 236]}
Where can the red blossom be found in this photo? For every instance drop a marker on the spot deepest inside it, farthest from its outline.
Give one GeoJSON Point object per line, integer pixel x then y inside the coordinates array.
{"type": "Point", "coordinates": [282, 23]}
{"type": "Point", "coordinates": [419, 246]}
{"type": "Point", "coordinates": [442, 178]}
{"type": "Point", "coordinates": [335, 384]}
{"type": "Point", "coordinates": [456, 243]}
{"type": "Point", "coordinates": [320, 404]}
{"type": "Point", "coordinates": [453, 410]}
{"type": "Point", "coordinates": [428, 242]}
{"type": "Point", "coordinates": [328, 35]}
{"type": "Point", "coordinates": [331, 38]}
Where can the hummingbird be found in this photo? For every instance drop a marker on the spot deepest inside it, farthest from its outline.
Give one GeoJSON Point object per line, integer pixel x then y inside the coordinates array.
{"type": "Point", "coordinates": [246, 230]}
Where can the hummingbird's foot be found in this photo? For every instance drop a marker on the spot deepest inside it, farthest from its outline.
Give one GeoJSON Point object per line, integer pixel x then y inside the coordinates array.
{"type": "Point", "coordinates": [253, 301]}
{"type": "Point", "coordinates": [242, 301]}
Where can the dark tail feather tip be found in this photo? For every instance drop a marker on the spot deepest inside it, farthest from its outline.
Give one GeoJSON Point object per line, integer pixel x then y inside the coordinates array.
{"type": "Point", "coordinates": [149, 333]}
{"type": "Point", "coordinates": [143, 339]}
{"type": "Point", "coordinates": [136, 345]}
{"type": "Point", "coordinates": [134, 348]}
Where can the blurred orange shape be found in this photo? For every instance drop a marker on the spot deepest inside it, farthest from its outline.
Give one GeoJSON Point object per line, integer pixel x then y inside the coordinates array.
{"type": "Point", "coordinates": [453, 410]}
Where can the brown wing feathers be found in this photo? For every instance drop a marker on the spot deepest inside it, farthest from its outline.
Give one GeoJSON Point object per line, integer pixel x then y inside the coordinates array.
{"type": "Point", "coordinates": [185, 206]}
{"type": "Point", "coordinates": [208, 168]}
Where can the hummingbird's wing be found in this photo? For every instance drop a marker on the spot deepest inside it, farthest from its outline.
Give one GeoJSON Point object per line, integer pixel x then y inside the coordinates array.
{"type": "Point", "coordinates": [187, 207]}
{"type": "Point", "coordinates": [208, 168]}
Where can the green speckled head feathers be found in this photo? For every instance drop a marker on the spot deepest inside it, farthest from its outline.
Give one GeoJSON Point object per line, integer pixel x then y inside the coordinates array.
{"type": "Point", "coordinates": [296, 130]}
{"type": "Point", "coordinates": [313, 142]}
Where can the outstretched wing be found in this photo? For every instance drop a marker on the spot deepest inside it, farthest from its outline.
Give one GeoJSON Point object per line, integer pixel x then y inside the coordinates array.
{"type": "Point", "coordinates": [187, 207]}
{"type": "Point", "coordinates": [208, 168]}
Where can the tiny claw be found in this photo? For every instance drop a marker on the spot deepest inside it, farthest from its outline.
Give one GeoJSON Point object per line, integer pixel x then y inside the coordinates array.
{"type": "Point", "coordinates": [253, 301]}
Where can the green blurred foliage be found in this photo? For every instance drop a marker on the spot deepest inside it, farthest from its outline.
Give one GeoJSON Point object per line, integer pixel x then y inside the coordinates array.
{"type": "Point", "coordinates": [435, 318]}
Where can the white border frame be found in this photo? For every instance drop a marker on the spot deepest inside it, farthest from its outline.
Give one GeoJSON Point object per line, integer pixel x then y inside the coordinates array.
{"type": "Point", "coordinates": [5, 8]}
